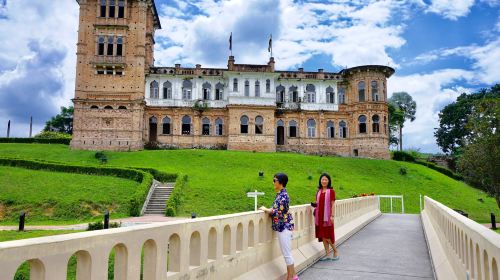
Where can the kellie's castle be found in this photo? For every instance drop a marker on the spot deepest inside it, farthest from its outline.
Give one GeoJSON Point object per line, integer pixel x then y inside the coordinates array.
{"type": "Point", "coordinates": [123, 102]}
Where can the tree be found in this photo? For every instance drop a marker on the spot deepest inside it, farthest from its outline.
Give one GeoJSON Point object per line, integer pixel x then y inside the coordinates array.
{"type": "Point", "coordinates": [403, 102]}
{"type": "Point", "coordinates": [62, 122]}
{"type": "Point", "coordinates": [396, 117]}
{"type": "Point", "coordinates": [479, 164]}
{"type": "Point", "coordinates": [453, 133]}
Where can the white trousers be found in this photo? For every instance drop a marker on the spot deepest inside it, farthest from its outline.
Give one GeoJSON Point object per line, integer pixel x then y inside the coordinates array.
{"type": "Point", "coordinates": [285, 240]}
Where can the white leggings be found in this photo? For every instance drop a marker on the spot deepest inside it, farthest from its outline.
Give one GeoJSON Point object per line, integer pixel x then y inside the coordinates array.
{"type": "Point", "coordinates": [285, 240]}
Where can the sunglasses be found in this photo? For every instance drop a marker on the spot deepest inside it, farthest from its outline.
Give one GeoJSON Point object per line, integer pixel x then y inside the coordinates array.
{"type": "Point", "coordinates": [275, 180]}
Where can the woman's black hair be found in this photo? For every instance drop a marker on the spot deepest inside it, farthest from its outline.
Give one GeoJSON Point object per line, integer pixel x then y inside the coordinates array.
{"type": "Point", "coordinates": [329, 186]}
{"type": "Point", "coordinates": [282, 178]}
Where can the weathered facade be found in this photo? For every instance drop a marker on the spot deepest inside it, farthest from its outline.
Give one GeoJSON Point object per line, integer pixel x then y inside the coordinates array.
{"type": "Point", "coordinates": [122, 101]}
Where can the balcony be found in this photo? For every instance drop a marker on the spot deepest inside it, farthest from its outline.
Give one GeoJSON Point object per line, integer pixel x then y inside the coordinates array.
{"type": "Point", "coordinates": [185, 103]}
{"type": "Point", "coordinates": [109, 60]}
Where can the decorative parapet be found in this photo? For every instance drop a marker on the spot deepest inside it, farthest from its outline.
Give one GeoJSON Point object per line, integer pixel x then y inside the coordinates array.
{"type": "Point", "coordinates": [459, 246]}
{"type": "Point", "coordinates": [220, 247]}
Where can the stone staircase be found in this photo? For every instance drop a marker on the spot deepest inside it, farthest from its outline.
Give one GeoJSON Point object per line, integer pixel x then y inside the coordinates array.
{"type": "Point", "coordinates": [156, 204]}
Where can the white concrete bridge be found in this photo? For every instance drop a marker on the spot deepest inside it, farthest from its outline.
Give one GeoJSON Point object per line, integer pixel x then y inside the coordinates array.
{"type": "Point", "coordinates": [242, 246]}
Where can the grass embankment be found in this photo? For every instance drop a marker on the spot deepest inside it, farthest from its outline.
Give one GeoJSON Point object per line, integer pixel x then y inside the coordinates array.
{"type": "Point", "coordinates": [218, 180]}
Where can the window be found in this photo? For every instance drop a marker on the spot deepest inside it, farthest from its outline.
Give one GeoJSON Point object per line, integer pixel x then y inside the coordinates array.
{"type": "Point", "coordinates": [186, 125]}
{"type": "Point", "coordinates": [259, 125]}
{"type": "Point", "coordinates": [330, 129]}
{"type": "Point", "coordinates": [218, 126]}
{"type": "Point", "coordinates": [110, 46]}
{"type": "Point", "coordinates": [330, 95]}
{"type": "Point", "coordinates": [119, 46]}
{"type": "Point", "coordinates": [247, 88]}
{"type": "Point", "coordinates": [100, 45]}
{"type": "Point", "coordinates": [292, 128]}
{"type": "Point", "coordinates": [153, 90]}
{"type": "Point", "coordinates": [166, 126]}
{"type": "Point", "coordinates": [374, 91]}
{"type": "Point", "coordinates": [167, 90]}
{"type": "Point", "coordinates": [294, 94]}
{"type": "Point", "coordinates": [206, 88]}
{"type": "Point", "coordinates": [244, 125]}
{"type": "Point", "coordinates": [268, 85]}
{"type": "Point", "coordinates": [385, 125]}
{"type": "Point", "coordinates": [121, 8]}
{"type": "Point", "coordinates": [109, 70]}
{"type": "Point", "coordinates": [310, 93]}
{"type": "Point", "coordinates": [361, 91]}
{"type": "Point", "coordinates": [341, 90]}
{"type": "Point", "coordinates": [280, 94]}
{"type": "Point", "coordinates": [219, 89]}
{"type": "Point", "coordinates": [235, 84]}
{"type": "Point", "coordinates": [108, 107]}
{"type": "Point", "coordinates": [375, 124]}
{"type": "Point", "coordinates": [311, 128]}
{"type": "Point", "coordinates": [111, 8]}
{"type": "Point", "coordinates": [122, 108]}
{"type": "Point", "coordinates": [257, 88]}
{"type": "Point", "coordinates": [187, 87]}
{"type": "Point", "coordinates": [205, 129]}
{"type": "Point", "coordinates": [342, 129]}
{"type": "Point", "coordinates": [94, 107]}
{"type": "Point", "coordinates": [102, 12]}
{"type": "Point", "coordinates": [362, 124]}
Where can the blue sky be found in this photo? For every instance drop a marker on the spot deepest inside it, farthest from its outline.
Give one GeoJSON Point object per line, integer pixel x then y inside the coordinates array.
{"type": "Point", "coordinates": [439, 48]}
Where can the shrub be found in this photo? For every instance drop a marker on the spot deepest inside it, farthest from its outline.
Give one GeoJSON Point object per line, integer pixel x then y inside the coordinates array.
{"type": "Point", "coordinates": [170, 212]}
{"type": "Point", "coordinates": [52, 135]}
{"type": "Point", "coordinates": [403, 170]}
{"type": "Point", "coordinates": [402, 156]}
{"type": "Point", "coordinates": [174, 202]}
{"type": "Point", "coordinates": [100, 225]}
{"type": "Point", "coordinates": [64, 141]}
{"type": "Point", "coordinates": [440, 169]}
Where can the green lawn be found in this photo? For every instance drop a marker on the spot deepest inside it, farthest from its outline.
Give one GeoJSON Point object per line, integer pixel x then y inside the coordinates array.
{"type": "Point", "coordinates": [8, 235]}
{"type": "Point", "coordinates": [218, 180]}
{"type": "Point", "coordinates": [53, 197]}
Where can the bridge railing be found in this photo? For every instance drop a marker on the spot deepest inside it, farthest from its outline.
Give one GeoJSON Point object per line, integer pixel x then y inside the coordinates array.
{"type": "Point", "coordinates": [218, 247]}
{"type": "Point", "coordinates": [460, 247]}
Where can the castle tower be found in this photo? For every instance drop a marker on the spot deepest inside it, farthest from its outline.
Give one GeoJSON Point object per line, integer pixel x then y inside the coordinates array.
{"type": "Point", "coordinates": [114, 51]}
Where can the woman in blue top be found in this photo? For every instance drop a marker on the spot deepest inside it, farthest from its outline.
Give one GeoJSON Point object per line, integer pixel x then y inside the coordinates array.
{"type": "Point", "coordinates": [282, 222]}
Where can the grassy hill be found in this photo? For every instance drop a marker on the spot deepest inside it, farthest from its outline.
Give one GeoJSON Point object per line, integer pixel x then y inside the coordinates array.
{"type": "Point", "coordinates": [218, 180]}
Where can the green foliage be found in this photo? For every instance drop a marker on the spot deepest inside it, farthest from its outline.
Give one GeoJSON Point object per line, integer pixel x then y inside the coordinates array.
{"type": "Point", "coordinates": [396, 117]}
{"type": "Point", "coordinates": [403, 171]}
{"type": "Point", "coordinates": [62, 122]}
{"type": "Point", "coordinates": [440, 169]}
{"type": "Point", "coordinates": [64, 141]}
{"type": "Point", "coordinates": [406, 109]}
{"type": "Point", "coordinates": [176, 199]}
{"type": "Point", "coordinates": [101, 157]}
{"type": "Point", "coordinates": [100, 225]}
{"type": "Point", "coordinates": [403, 156]}
{"type": "Point", "coordinates": [53, 135]}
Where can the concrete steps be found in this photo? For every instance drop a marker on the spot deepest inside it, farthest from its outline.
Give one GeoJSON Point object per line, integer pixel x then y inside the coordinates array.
{"type": "Point", "coordinates": [156, 204]}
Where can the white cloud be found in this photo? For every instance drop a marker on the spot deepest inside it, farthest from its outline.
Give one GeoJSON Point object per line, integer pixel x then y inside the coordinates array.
{"type": "Point", "coordinates": [451, 9]}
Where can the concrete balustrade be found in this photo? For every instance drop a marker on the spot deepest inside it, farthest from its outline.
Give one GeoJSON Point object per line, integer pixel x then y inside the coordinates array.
{"type": "Point", "coordinates": [231, 246]}
{"type": "Point", "coordinates": [458, 245]}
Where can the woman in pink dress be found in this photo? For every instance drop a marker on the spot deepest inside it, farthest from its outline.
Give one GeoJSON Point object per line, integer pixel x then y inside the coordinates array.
{"type": "Point", "coordinates": [324, 216]}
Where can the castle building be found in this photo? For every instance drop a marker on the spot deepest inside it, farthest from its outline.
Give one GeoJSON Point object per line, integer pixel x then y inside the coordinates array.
{"type": "Point", "coordinates": [123, 102]}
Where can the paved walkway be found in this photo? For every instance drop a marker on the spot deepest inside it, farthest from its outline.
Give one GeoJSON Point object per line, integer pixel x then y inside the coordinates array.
{"type": "Point", "coordinates": [146, 219]}
{"type": "Point", "coordinates": [391, 247]}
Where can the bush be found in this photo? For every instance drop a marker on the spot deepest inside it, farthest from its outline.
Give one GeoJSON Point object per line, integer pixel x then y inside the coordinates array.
{"type": "Point", "coordinates": [64, 141]}
{"type": "Point", "coordinates": [403, 170]}
{"type": "Point", "coordinates": [53, 135]}
{"type": "Point", "coordinates": [174, 202]}
{"type": "Point", "coordinates": [440, 169]}
{"type": "Point", "coordinates": [402, 156]}
{"type": "Point", "coordinates": [100, 225]}
{"type": "Point", "coordinates": [170, 212]}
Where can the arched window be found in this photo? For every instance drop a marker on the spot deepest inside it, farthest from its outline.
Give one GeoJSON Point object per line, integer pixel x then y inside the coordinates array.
{"type": "Point", "coordinates": [293, 94]}
{"type": "Point", "coordinates": [375, 124]}
{"type": "Point", "coordinates": [206, 89]}
{"type": "Point", "coordinates": [342, 129]}
{"type": "Point", "coordinates": [310, 93]}
{"type": "Point", "coordinates": [122, 107]}
{"type": "Point", "coordinates": [341, 90]}
{"type": "Point", "coordinates": [119, 46]}
{"type": "Point", "coordinates": [153, 90]}
{"type": "Point", "coordinates": [218, 126]}
{"type": "Point", "coordinates": [187, 87]}
{"type": "Point", "coordinates": [121, 8]}
{"type": "Point", "coordinates": [108, 107]}
{"type": "Point", "coordinates": [94, 107]}
{"type": "Point", "coordinates": [257, 88]}
{"type": "Point", "coordinates": [361, 91]}
{"type": "Point", "coordinates": [110, 45]}
{"type": "Point", "coordinates": [330, 129]}
{"type": "Point", "coordinates": [235, 84]}
{"type": "Point", "coordinates": [219, 90]}
{"type": "Point", "coordinates": [259, 125]}
{"type": "Point", "coordinates": [102, 12]}
{"type": "Point", "coordinates": [186, 125]}
{"type": "Point", "coordinates": [167, 90]}
{"type": "Point", "coordinates": [111, 8]}
{"type": "Point", "coordinates": [268, 85]}
{"type": "Point", "coordinates": [247, 88]}
{"type": "Point", "coordinates": [292, 128]}
{"type": "Point", "coordinates": [244, 125]}
{"type": "Point", "coordinates": [330, 95]}
{"type": "Point", "coordinates": [280, 94]}
{"type": "Point", "coordinates": [205, 126]}
{"type": "Point", "coordinates": [374, 91]}
{"type": "Point", "coordinates": [311, 128]}
{"type": "Point", "coordinates": [166, 126]}
{"type": "Point", "coordinates": [385, 125]}
{"type": "Point", "coordinates": [153, 120]}
{"type": "Point", "coordinates": [100, 44]}
{"type": "Point", "coordinates": [362, 124]}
